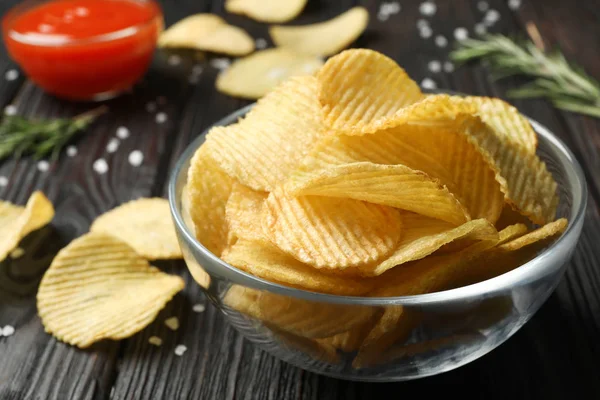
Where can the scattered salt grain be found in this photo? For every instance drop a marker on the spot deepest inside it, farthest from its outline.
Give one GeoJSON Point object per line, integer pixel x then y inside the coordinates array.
{"type": "Point", "coordinates": [425, 32]}
{"type": "Point", "coordinates": [43, 165]}
{"type": "Point", "coordinates": [514, 4]}
{"type": "Point", "coordinates": [71, 151]}
{"type": "Point", "coordinates": [260, 43]}
{"type": "Point", "coordinates": [10, 110]}
{"type": "Point", "coordinates": [448, 67]}
{"type": "Point", "coordinates": [180, 349]}
{"type": "Point", "coordinates": [113, 145]}
{"type": "Point", "coordinates": [434, 66]}
{"type": "Point", "coordinates": [382, 17]}
{"type": "Point", "coordinates": [480, 29]}
{"type": "Point", "coordinates": [100, 166]}
{"type": "Point", "coordinates": [136, 158]}
{"type": "Point", "coordinates": [421, 23]}
{"type": "Point", "coordinates": [199, 308]}
{"type": "Point", "coordinates": [387, 9]}
{"type": "Point", "coordinates": [11, 75]}
{"type": "Point", "coordinates": [122, 132]}
{"type": "Point", "coordinates": [483, 6]}
{"type": "Point", "coordinates": [174, 59]}
{"type": "Point", "coordinates": [17, 253]}
{"type": "Point", "coordinates": [491, 17]}
{"type": "Point", "coordinates": [151, 106]}
{"type": "Point", "coordinates": [197, 69]}
{"type": "Point", "coordinates": [3, 181]}
{"type": "Point", "coordinates": [220, 63]}
{"type": "Point", "coordinates": [441, 41]}
{"type": "Point", "coordinates": [155, 340]}
{"type": "Point", "coordinates": [161, 118]}
{"type": "Point", "coordinates": [461, 33]}
{"type": "Point", "coordinates": [8, 331]}
{"type": "Point", "coordinates": [428, 83]}
{"type": "Point", "coordinates": [427, 8]}
{"type": "Point", "coordinates": [172, 323]}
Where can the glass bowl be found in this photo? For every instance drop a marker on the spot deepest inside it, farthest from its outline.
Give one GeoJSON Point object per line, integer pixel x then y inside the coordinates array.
{"type": "Point", "coordinates": [442, 331]}
{"type": "Point", "coordinates": [91, 68]}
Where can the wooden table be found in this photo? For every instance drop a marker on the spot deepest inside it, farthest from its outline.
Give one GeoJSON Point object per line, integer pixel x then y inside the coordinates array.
{"type": "Point", "coordinates": [556, 355]}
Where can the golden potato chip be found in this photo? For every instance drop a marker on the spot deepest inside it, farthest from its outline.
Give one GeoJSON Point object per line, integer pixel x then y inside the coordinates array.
{"type": "Point", "coordinates": [100, 288]}
{"type": "Point", "coordinates": [209, 189]}
{"type": "Point", "coordinates": [351, 340]}
{"type": "Point", "coordinates": [268, 262]}
{"type": "Point", "coordinates": [390, 185]}
{"type": "Point", "coordinates": [324, 38]}
{"type": "Point", "coordinates": [361, 89]}
{"type": "Point", "coordinates": [144, 224]}
{"type": "Point", "coordinates": [510, 217]}
{"type": "Point", "coordinates": [445, 153]}
{"type": "Point", "coordinates": [316, 348]}
{"type": "Point", "coordinates": [265, 147]}
{"type": "Point", "coordinates": [328, 232]}
{"type": "Point", "coordinates": [422, 236]}
{"type": "Point", "coordinates": [266, 10]}
{"type": "Point", "coordinates": [506, 120]}
{"type": "Point", "coordinates": [310, 319]}
{"type": "Point", "coordinates": [207, 32]}
{"type": "Point", "coordinates": [548, 231]}
{"type": "Point", "coordinates": [243, 300]}
{"type": "Point", "coordinates": [512, 232]}
{"type": "Point", "coordinates": [255, 75]}
{"type": "Point", "coordinates": [16, 222]}
{"type": "Point", "coordinates": [244, 212]}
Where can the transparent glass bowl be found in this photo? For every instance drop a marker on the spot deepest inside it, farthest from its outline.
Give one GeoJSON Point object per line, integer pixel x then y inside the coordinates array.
{"type": "Point", "coordinates": [443, 331]}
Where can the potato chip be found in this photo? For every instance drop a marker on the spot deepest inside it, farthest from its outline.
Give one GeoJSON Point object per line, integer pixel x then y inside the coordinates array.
{"type": "Point", "coordinates": [506, 120]}
{"type": "Point", "coordinates": [209, 189]}
{"type": "Point", "coordinates": [144, 224]}
{"type": "Point", "coordinates": [510, 217]}
{"type": "Point", "coordinates": [361, 89]}
{"type": "Point", "coordinates": [310, 319]}
{"type": "Point", "coordinates": [265, 147]}
{"type": "Point", "coordinates": [268, 262]}
{"type": "Point", "coordinates": [266, 10]}
{"type": "Point", "coordinates": [207, 32]}
{"type": "Point", "coordinates": [548, 231]}
{"type": "Point", "coordinates": [243, 300]}
{"type": "Point", "coordinates": [351, 340]}
{"type": "Point", "coordinates": [98, 288]}
{"type": "Point", "coordinates": [318, 349]}
{"type": "Point", "coordinates": [390, 185]}
{"type": "Point", "coordinates": [324, 38]}
{"type": "Point", "coordinates": [328, 232]}
{"type": "Point", "coordinates": [422, 236]}
{"type": "Point", "coordinates": [512, 232]}
{"type": "Point", "coordinates": [244, 212]}
{"type": "Point", "coordinates": [16, 222]}
{"type": "Point", "coordinates": [255, 75]}
{"type": "Point", "coordinates": [445, 153]}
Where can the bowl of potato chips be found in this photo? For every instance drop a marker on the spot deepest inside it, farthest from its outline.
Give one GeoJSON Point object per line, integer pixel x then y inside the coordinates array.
{"type": "Point", "coordinates": [354, 226]}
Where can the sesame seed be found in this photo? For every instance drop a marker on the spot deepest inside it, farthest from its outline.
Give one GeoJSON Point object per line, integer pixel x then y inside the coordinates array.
{"type": "Point", "coordinates": [428, 83]}
{"type": "Point", "coordinates": [11, 75]}
{"type": "Point", "coordinates": [441, 41]}
{"type": "Point", "coordinates": [100, 166]}
{"type": "Point", "coordinates": [43, 165]}
{"type": "Point", "coordinates": [17, 253]}
{"type": "Point", "coordinates": [172, 323]}
{"type": "Point", "coordinates": [448, 67]}
{"type": "Point", "coordinates": [180, 349]}
{"type": "Point", "coordinates": [260, 43]}
{"type": "Point", "coordinates": [428, 8]}
{"type": "Point", "coordinates": [122, 132]}
{"type": "Point", "coordinates": [461, 33]}
{"type": "Point", "coordinates": [155, 340]}
{"type": "Point", "coordinates": [434, 66]}
{"type": "Point", "coordinates": [3, 181]}
{"type": "Point", "coordinates": [71, 151]}
{"type": "Point", "coordinates": [199, 308]}
{"type": "Point", "coordinates": [10, 110]}
{"type": "Point", "coordinates": [113, 145]}
{"type": "Point", "coordinates": [136, 158]}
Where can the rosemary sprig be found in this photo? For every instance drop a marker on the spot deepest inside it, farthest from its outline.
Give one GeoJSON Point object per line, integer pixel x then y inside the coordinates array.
{"type": "Point", "coordinates": [20, 136]}
{"type": "Point", "coordinates": [554, 78]}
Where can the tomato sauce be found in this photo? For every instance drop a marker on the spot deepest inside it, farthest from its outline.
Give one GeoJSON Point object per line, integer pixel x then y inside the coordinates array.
{"type": "Point", "coordinates": [84, 49]}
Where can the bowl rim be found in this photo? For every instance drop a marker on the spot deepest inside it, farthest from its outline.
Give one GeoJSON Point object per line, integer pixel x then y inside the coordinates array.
{"type": "Point", "coordinates": [59, 41]}
{"type": "Point", "coordinates": [520, 275]}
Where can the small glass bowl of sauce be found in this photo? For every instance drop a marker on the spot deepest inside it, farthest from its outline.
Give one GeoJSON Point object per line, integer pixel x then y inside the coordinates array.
{"type": "Point", "coordinates": [83, 50]}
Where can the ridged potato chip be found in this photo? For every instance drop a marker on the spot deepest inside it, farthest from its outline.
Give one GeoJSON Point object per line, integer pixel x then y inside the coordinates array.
{"type": "Point", "coordinates": [324, 38]}
{"type": "Point", "coordinates": [361, 89]}
{"type": "Point", "coordinates": [16, 222]}
{"type": "Point", "coordinates": [99, 288]}
{"type": "Point", "coordinates": [510, 217]}
{"type": "Point", "coordinates": [548, 231]}
{"type": "Point", "coordinates": [207, 32]}
{"type": "Point", "coordinates": [390, 185]}
{"type": "Point", "coordinates": [310, 319]}
{"type": "Point", "coordinates": [243, 300]}
{"type": "Point", "coordinates": [331, 233]}
{"type": "Point", "coordinates": [266, 10]}
{"type": "Point", "coordinates": [318, 349]}
{"type": "Point", "coordinates": [244, 213]}
{"type": "Point", "coordinates": [209, 188]}
{"type": "Point", "coordinates": [508, 123]}
{"type": "Point", "coordinates": [422, 236]}
{"type": "Point", "coordinates": [255, 75]}
{"type": "Point", "coordinates": [352, 339]}
{"type": "Point", "coordinates": [446, 153]}
{"type": "Point", "coordinates": [269, 262]}
{"type": "Point", "coordinates": [144, 224]}
{"type": "Point", "coordinates": [267, 145]}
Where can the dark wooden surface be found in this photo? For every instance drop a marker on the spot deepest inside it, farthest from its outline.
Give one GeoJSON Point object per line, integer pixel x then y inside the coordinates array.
{"type": "Point", "coordinates": [555, 356]}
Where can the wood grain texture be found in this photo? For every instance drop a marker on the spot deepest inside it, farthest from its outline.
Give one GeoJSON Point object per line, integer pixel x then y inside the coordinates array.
{"type": "Point", "coordinates": [555, 356]}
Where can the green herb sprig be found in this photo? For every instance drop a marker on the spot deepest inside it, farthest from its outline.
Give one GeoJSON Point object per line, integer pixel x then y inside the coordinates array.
{"type": "Point", "coordinates": [564, 84]}
{"type": "Point", "coordinates": [21, 136]}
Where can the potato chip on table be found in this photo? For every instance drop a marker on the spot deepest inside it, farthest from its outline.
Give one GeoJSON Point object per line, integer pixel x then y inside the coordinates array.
{"type": "Point", "coordinates": [255, 75]}
{"type": "Point", "coordinates": [323, 38]}
{"type": "Point", "coordinates": [99, 288]}
{"type": "Point", "coordinates": [144, 224]}
{"type": "Point", "coordinates": [16, 222]}
{"type": "Point", "coordinates": [266, 10]}
{"type": "Point", "coordinates": [207, 32]}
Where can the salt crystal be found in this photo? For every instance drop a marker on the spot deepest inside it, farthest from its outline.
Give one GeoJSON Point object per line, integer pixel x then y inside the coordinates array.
{"type": "Point", "coordinates": [441, 41]}
{"type": "Point", "coordinates": [10, 110]}
{"type": "Point", "coordinates": [155, 340]}
{"type": "Point", "coordinates": [434, 66]}
{"type": "Point", "coordinates": [422, 23]}
{"type": "Point", "coordinates": [382, 17]}
{"type": "Point", "coordinates": [199, 308]}
{"type": "Point", "coordinates": [113, 145]}
{"type": "Point", "coordinates": [428, 83]}
{"type": "Point", "coordinates": [197, 69]}
{"type": "Point", "coordinates": [8, 331]}
{"type": "Point", "coordinates": [448, 67]}
{"type": "Point", "coordinates": [174, 59]}
{"type": "Point", "coordinates": [100, 166]}
{"type": "Point", "coordinates": [136, 158]}
{"type": "Point", "coordinates": [425, 32]}
{"type": "Point", "coordinates": [43, 165]}
{"type": "Point", "coordinates": [220, 63]}
{"type": "Point", "coordinates": [180, 349]}
{"type": "Point", "coordinates": [122, 132]}
{"type": "Point", "coordinates": [71, 151]}
{"type": "Point", "coordinates": [161, 118]}
{"type": "Point", "coordinates": [514, 4]}
{"type": "Point", "coordinates": [483, 6]}
{"type": "Point", "coordinates": [3, 181]}
{"type": "Point", "coordinates": [461, 33]}
{"type": "Point", "coordinates": [428, 8]}
{"type": "Point", "coordinates": [480, 29]}
{"type": "Point", "coordinates": [260, 43]}
{"type": "Point", "coordinates": [491, 17]}
{"type": "Point", "coordinates": [11, 75]}
{"type": "Point", "coordinates": [172, 323]}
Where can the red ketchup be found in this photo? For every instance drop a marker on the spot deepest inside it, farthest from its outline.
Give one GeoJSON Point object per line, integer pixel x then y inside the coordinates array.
{"type": "Point", "coordinates": [83, 49]}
